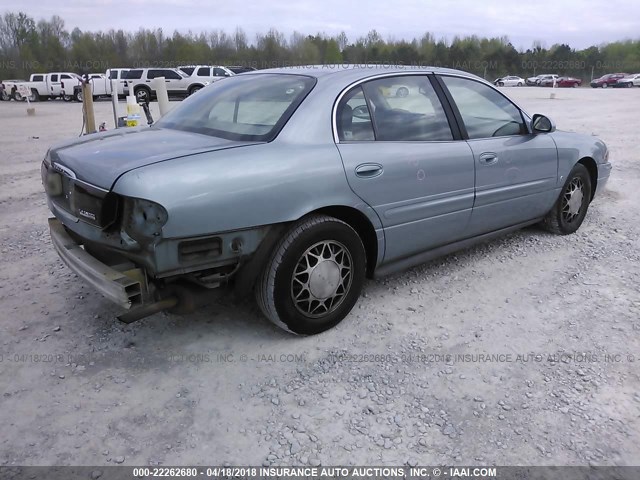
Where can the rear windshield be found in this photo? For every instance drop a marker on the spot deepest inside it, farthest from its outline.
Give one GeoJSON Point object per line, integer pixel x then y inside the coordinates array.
{"type": "Point", "coordinates": [243, 108]}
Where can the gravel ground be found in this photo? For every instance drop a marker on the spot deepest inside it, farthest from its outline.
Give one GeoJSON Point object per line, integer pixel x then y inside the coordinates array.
{"type": "Point", "coordinates": [520, 351]}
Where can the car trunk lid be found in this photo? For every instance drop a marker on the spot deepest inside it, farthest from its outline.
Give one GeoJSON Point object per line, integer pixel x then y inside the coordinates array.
{"type": "Point", "coordinates": [99, 159]}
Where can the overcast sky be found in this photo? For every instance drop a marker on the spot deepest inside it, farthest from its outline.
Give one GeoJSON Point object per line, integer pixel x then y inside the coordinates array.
{"type": "Point", "coordinates": [580, 23]}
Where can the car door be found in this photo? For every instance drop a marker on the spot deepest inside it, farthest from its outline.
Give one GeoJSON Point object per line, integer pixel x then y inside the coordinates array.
{"type": "Point", "coordinates": [54, 85]}
{"type": "Point", "coordinates": [176, 83]}
{"type": "Point", "coordinates": [516, 170]}
{"type": "Point", "coordinates": [401, 158]}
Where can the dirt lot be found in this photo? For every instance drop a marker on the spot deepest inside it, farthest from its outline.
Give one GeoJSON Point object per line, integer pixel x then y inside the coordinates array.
{"type": "Point", "coordinates": [225, 386]}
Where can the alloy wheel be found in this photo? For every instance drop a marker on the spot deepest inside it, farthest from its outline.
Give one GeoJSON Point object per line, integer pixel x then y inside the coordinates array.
{"type": "Point", "coordinates": [322, 278]}
{"type": "Point", "coordinates": [572, 200]}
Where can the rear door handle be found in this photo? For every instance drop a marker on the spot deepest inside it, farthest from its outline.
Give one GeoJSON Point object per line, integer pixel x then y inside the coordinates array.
{"type": "Point", "coordinates": [369, 170]}
{"type": "Point", "coordinates": [488, 158]}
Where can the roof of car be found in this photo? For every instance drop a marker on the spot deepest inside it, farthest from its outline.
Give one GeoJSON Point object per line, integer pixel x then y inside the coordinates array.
{"type": "Point", "coordinates": [356, 71]}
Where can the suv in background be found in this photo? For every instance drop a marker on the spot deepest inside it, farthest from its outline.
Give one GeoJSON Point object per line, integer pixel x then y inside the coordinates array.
{"type": "Point", "coordinates": [607, 80]}
{"type": "Point", "coordinates": [139, 82]}
{"type": "Point", "coordinates": [241, 69]}
{"type": "Point", "coordinates": [205, 73]}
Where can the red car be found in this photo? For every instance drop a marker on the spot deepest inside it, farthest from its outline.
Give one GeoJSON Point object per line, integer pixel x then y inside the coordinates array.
{"type": "Point", "coordinates": [568, 82]}
{"type": "Point", "coordinates": [607, 80]}
{"type": "Point", "coordinates": [561, 82]}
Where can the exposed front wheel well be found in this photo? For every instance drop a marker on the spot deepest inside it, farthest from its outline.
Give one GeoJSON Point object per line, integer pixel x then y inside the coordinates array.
{"type": "Point", "coordinates": [592, 167]}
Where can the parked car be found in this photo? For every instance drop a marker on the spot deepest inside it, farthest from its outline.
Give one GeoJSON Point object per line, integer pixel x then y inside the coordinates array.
{"type": "Point", "coordinates": [535, 81]}
{"type": "Point", "coordinates": [241, 69]}
{"type": "Point", "coordinates": [101, 84]}
{"type": "Point", "coordinates": [44, 86]}
{"type": "Point", "coordinates": [607, 80]}
{"type": "Point", "coordinates": [509, 81]}
{"type": "Point", "coordinates": [139, 81]}
{"type": "Point", "coordinates": [548, 81]}
{"type": "Point", "coordinates": [571, 82]}
{"type": "Point", "coordinates": [276, 182]}
{"type": "Point", "coordinates": [628, 82]}
{"type": "Point", "coordinates": [8, 88]}
{"type": "Point", "coordinates": [202, 75]}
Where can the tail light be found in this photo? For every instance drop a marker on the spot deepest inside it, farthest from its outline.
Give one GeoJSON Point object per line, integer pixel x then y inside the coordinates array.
{"type": "Point", "coordinates": [62, 84]}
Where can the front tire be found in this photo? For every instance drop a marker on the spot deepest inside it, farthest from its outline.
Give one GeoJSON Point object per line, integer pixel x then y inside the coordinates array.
{"type": "Point", "coordinates": [605, 85]}
{"type": "Point", "coordinates": [313, 277]}
{"type": "Point", "coordinates": [569, 211]}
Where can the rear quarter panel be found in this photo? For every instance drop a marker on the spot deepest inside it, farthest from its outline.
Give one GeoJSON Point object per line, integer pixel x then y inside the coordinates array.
{"type": "Point", "coordinates": [243, 187]}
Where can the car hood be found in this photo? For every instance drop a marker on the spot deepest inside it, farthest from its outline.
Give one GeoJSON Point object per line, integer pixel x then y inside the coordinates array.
{"type": "Point", "coordinates": [100, 159]}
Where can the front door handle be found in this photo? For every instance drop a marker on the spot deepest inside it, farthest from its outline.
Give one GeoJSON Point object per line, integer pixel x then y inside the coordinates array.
{"type": "Point", "coordinates": [369, 170]}
{"type": "Point", "coordinates": [488, 158]}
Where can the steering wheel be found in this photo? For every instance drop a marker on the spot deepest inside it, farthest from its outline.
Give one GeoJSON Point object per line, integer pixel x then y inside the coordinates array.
{"type": "Point", "coordinates": [361, 112]}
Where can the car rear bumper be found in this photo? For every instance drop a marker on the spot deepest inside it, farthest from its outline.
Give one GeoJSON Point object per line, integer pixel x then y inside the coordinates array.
{"type": "Point", "coordinates": [122, 284]}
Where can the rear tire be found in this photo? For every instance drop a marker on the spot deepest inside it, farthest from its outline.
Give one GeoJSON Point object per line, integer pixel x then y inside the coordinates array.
{"type": "Point", "coordinates": [569, 211]}
{"type": "Point", "coordinates": [313, 277]}
{"type": "Point", "coordinates": [77, 96]}
{"type": "Point", "coordinates": [605, 85]}
{"type": "Point", "coordinates": [143, 95]}
{"type": "Point", "coordinates": [193, 90]}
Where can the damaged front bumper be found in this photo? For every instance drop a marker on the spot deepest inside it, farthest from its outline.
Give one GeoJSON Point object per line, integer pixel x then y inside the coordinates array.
{"type": "Point", "coordinates": [123, 283]}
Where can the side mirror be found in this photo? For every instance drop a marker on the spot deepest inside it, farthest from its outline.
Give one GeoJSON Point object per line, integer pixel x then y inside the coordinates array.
{"type": "Point", "coordinates": [542, 124]}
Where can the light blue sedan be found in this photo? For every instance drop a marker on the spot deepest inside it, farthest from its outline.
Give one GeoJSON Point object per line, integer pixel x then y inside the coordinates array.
{"type": "Point", "coordinates": [297, 184]}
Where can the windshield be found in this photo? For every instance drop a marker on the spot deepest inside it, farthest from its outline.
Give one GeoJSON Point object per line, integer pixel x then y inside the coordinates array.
{"type": "Point", "coordinates": [243, 108]}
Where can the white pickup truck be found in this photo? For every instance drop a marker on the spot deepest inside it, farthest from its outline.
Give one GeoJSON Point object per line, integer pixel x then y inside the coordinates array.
{"type": "Point", "coordinates": [101, 84]}
{"type": "Point", "coordinates": [50, 85]}
{"type": "Point", "coordinates": [8, 88]}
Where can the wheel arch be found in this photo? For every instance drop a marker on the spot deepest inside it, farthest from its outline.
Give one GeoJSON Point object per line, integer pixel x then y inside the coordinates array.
{"type": "Point", "coordinates": [356, 219]}
{"type": "Point", "coordinates": [592, 167]}
{"type": "Point", "coordinates": [362, 225]}
{"type": "Point", "coordinates": [194, 86]}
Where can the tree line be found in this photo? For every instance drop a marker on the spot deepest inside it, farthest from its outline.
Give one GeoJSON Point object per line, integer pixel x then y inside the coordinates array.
{"type": "Point", "coordinates": [29, 46]}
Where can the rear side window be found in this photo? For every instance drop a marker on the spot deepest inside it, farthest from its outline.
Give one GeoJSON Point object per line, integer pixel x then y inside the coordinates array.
{"type": "Point", "coordinates": [353, 120]}
{"type": "Point", "coordinates": [188, 70]}
{"type": "Point", "coordinates": [485, 112]}
{"type": "Point", "coordinates": [245, 108]}
{"type": "Point", "coordinates": [133, 75]}
{"type": "Point", "coordinates": [37, 78]}
{"type": "Point", "coordinates": [405, 109]}
{"type": "Point", "coordinates": [203, 72]}
{"type": "Point", "coordinates": [54, 78]}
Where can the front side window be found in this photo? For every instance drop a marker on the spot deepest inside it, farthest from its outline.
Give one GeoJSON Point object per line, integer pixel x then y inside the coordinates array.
{"type": "Point", "coordinates": [406, 109]}
{"type": "Point", "coordinates": [485, 112]}
{"type": "Point", "coordinates": [245, 108]}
